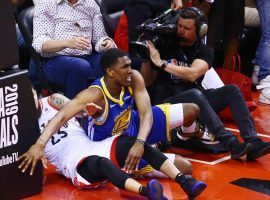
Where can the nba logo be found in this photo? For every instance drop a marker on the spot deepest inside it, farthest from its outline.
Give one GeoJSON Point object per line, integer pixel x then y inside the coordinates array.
{"type": "Point", "coordinates": [173, 61]}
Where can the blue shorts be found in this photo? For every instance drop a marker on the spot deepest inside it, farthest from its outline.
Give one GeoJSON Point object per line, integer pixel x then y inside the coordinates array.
{"type": "Point", "coordinates": [160, 129]}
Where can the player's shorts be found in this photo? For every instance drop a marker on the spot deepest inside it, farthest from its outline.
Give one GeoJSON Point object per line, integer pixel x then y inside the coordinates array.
{"type": "Point", "coordinates": [70, 154]}
{"type": "Point", "coordinates": [165, 117]}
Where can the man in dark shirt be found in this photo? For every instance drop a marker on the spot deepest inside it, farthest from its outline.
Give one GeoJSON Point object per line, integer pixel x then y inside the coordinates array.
{"type": "Point", "coordinates": [137, 12]}
{"type": "Point", "coordinates": [180, 79]}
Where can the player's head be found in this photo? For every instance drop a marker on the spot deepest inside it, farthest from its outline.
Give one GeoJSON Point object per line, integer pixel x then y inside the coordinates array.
{"type": "Point", "coordinates": [110, 57]}
{"type": "Point", "coordinates": [116, 65]}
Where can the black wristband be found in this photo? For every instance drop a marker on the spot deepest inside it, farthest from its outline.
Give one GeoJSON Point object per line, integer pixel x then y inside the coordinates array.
{"type": "Point", "coordinates": [140, 141]}
{"type": "Point", "coordinates": [163, 65]}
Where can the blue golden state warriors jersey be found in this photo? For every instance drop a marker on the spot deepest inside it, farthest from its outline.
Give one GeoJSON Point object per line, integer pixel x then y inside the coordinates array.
{"type": "Point", "coordinates": [116, 118]}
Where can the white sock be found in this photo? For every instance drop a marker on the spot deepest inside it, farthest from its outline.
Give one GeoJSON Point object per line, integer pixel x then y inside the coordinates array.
{"type": "Point", "coordinates": [190, 129]}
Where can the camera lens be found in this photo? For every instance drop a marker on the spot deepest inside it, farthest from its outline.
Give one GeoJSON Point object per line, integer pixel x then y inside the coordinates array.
{"type": "Point", "coordinates": [139, 50]}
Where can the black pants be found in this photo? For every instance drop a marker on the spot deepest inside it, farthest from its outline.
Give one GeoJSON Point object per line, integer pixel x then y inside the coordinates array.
{"type": "Point", "coordinates": [212, 102]}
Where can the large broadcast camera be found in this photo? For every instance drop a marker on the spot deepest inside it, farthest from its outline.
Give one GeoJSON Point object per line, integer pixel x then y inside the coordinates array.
{"type": "Point", "coordinates": [160, 30]}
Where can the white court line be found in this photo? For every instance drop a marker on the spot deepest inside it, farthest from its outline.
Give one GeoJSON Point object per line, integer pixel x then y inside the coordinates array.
{"type": "Point", "coordinates": [221, 160]}
{"type": "Point", "coordinates": [210, 163]}
{"type": "Point", "coordinates": [237, 130]}
{"type": "Point", "coordinates": [199, 161]}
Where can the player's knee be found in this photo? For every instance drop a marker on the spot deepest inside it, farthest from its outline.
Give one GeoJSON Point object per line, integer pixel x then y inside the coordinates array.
{"type": "Point", "coordinates": [183, 165]}
{"type": "Point", "coordinates": [104, 161]}
{"type": "Point", "coordinates": [191, 112]}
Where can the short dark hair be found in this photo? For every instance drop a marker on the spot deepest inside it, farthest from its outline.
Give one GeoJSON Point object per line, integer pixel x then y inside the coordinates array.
{"type": "Point", "coordinates": [109, 58]}
{"type": "Point", "coordinates": [193, 13]}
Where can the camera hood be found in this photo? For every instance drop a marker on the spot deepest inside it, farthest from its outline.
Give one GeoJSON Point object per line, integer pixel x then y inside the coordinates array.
{"type": "Point", "coordinates": [139, 49]}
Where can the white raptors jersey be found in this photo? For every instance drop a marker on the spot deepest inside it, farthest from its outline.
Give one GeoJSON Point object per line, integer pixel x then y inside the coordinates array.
{"type": "Point", "coordinates": [70, 145]}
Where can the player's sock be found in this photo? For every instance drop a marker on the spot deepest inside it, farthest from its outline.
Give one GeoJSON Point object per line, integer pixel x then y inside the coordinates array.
{"type": "Point", "coordinates": [189, 129]}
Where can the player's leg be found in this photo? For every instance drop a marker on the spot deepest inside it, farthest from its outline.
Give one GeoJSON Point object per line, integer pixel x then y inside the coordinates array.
{"type": "Point", "coordinates": [186, 126]}
{"type": "Point", "coordinates": [169, 116]}
{"type": "Point", "coordinates": [183, 115]}
{"type": "Point", "coordinates": [160, 162]}
{"type": "Point", "coordinates": [96, 169]}
{"type": "Point", "coordinates": [182, 164]}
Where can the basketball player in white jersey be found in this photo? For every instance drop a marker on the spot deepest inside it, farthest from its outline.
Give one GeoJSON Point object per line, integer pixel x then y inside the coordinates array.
{"type": "Point", "coordinates": [87, 163]}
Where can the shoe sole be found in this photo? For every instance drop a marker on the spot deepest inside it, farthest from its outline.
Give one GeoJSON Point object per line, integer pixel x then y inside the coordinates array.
{"type": "Point", "coordinates": [197, 189]}
{"type": "Point", "coordinates": [156, 190]}
{"type": "Point", "coordinates": [202, 140]}
{"type": "Point", "coordinates": [263, 152]}
{"type": "Point", "coordinates": [244, 152]}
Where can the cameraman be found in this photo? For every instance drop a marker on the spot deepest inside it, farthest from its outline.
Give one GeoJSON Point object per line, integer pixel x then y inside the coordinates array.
{"type": "Point", "coordinates": [137, 11]}
{"type": "Point", "coordinates": [180, 81]}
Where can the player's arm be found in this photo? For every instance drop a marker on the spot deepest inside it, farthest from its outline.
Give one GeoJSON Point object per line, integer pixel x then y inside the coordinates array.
{"type": "Point", "coordinates": [58, 101]}
{"type": "Point", "coordinates": [146, 119]}
{"type": "Point", "coordinates": [36, 151]}
{"type": "Point", "coordinates": [69, 110]}
{"type": "Point", "coordinates": [143, 104]}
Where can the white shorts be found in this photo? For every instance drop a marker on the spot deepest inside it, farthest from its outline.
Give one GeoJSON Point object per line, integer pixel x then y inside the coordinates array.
{"type": "Point", "coordinates": [176, 115]}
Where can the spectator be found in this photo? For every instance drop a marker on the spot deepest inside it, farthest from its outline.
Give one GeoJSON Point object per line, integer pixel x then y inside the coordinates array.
{"type": "Point", "coordinates": [263, 52]}
{"type": "Point", "coordinates": [180, 81]}
{"type": "Point", "coordinates": [66, 33]}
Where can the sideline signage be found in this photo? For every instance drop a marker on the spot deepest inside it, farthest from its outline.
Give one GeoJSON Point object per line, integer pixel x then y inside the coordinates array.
{"type": "Point", "coordinates": [18, 131]}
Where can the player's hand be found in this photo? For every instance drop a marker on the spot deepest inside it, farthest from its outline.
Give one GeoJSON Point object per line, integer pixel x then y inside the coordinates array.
{"type": "Point", "coordinates": [31, 157]}
{"type": "Point", "coordinates": [133, 158]}
{"type": "Point", "coordinates": [91, 108]}
{"type": "Point", "coordinates": [107, 44]}
{"type": "Point", "coordinates": [80, 43]}
{"type": "Point", "coordinates": [176, 4]}
{"type": "Point", "coordinates": [154, 54]}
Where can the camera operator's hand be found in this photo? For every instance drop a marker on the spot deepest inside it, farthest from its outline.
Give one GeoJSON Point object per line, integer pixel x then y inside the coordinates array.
{"type": "Point", "coordinates": [176, 4]}
{"type": "Point", "coordinates": [154, 54]}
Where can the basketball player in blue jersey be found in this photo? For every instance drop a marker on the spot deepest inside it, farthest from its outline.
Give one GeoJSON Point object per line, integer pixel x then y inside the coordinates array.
{"type": "Point", "coordinates": [120, 89]}
{"type": "Point", "coordinates": [114, 94]}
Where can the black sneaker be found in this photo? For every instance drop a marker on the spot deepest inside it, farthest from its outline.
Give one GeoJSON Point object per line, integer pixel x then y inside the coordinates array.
{"type": "Point", "coordinates": [191, 186]}
{"type": "Point", "coordinates": [201, 133]}
{"type": "Point", "coordinates": [240, 149]}
{"type": "Point", "coordinates": [258, 150]}
{"type": "Point", "coordinates": [155, 190]}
